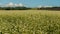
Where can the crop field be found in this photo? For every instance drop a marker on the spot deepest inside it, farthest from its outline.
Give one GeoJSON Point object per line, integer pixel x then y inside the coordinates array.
{"type": "Point", "coordinates": [29, 22]}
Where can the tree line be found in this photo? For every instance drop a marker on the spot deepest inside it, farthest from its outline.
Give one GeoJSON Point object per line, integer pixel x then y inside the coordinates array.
{"type": "Point", "coordinates": [49, 8]}
{"type": "Point", "coordinates": [28, 8]}
{"type": "Point", "coordinates": [14, 8]}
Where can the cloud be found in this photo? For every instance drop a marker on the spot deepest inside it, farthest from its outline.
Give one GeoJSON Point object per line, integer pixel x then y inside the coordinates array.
{"type": "Point", "coordinates": [48, 6]}
{"type": "Point", "coordinates": [0, 4]}
{"type": "Point", "coordinates": [40, 6]}
{"type": "Point", "coordinates": [21, 4]}
{"type": "Point", "coordinates": [14, 5]}
{"type": "Point", "coordinates": [9, 4]}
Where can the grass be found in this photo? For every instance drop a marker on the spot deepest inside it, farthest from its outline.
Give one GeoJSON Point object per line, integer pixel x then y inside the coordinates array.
{"type": "Point", "coordinates": [29, 22]}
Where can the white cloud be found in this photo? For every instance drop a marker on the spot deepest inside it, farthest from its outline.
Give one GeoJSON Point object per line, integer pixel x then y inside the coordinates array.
{"type": "Point", "coordinates": [44, 6]}
{"type": "Point", "coordinates": [48, 6]}
{"type": "Point", "coordinates": [16, 5]}
{"type": "Point", "coordinates": [9, 5]}
{"type": "Point", "coordinates": [0, 4]}
{"type": "Point", "coordinates": [39, 6]}
{"type": "Point", "coordinates": [12, 4]}
{"type": "Point", "coordinates": [21, 4]}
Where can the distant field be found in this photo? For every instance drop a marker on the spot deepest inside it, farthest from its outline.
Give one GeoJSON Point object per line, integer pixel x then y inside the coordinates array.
{"type": "Point", "coordinates": [29, 22]}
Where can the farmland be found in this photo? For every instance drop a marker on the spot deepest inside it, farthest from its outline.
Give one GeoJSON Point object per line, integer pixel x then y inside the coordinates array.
{"type": "Point", "coordinates": [29, 22]}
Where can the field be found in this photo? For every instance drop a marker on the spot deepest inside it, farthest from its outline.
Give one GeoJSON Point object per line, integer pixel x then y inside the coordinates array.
{"type": "Point", "coordinates": [29, 22]}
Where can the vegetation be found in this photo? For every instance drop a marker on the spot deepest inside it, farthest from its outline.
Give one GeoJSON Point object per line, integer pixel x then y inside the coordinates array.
{"type": "Point", "coordinates": [14, 8]}
{"type": "Point", "coordinates": [29, 8]}
{"type": "Point", "coordinates": [29, 22]}
{"type": "Point", "coordinates": [49, 8]}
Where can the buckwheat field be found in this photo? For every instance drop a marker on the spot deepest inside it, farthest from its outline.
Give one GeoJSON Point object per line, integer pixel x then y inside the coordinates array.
{"type": "Point", "coordinates": [29, 22]}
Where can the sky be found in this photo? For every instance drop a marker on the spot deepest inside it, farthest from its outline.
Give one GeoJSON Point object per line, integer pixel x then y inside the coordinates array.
{"type": "Point", "coordinates": [33, 3]}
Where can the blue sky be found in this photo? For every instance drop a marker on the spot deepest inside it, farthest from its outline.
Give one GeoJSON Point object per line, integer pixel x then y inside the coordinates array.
{"type": "Point", "coordinates": [33, 3]}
